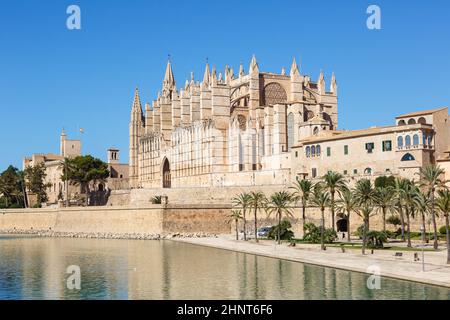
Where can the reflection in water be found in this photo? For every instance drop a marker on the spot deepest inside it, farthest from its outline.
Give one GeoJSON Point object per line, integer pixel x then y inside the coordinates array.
{"type": "Point", "coordinates": [35, 268]}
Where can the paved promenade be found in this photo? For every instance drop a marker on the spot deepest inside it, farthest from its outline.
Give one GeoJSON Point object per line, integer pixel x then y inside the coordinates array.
{"type": "Point", "coordinates": [436, 271]}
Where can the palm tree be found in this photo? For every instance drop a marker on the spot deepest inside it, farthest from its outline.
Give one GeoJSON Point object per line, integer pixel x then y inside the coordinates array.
{"type": "Point", "coordinates": [257, 201]}
{"type": "Point", "coordinates": [345, 205]}
{"type": "Point", "coordinates": [430, 178]}
{"type": "Point", "coordinates": [399, 187]}
{"type": "Point", "coordinates": [302, 191]}
{"type": "Point", "coordinates": [279, 203]}
{"type": "Point", "coordinates": [443, 205]}
{"type": "Point", "coordinates": [67, 167]}
{"type": "Point", "coordinates": [334, 181]}
{"type": "Point", "coordinates": [384, 202]}
{"type": "Point", "coordinates": [365, 196]}
{"type": "Point", "coordinates": [321, 199]}
{"type": "Point", "coordinates": [409, 194]}
{"type": "Point", "coordinates": [243, 201]}
{"type": "Point", "coordinates": [365, 211]}
{"type": "Point", "coordinates": [422, 204]}
{"type": "Point", "coordinates": [235, 216]}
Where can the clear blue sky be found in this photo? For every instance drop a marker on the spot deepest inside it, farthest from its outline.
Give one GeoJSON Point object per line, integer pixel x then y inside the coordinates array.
{"type": "Point", "coordinates": [52, 77]}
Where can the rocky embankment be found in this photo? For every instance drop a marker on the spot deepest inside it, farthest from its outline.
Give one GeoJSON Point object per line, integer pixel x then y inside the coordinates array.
{"type": "Point", "coordinates": [99, 235]}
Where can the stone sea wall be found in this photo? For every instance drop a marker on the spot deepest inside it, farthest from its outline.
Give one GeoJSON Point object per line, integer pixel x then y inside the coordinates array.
{"type": "Point", "coordinates": [152, 221]}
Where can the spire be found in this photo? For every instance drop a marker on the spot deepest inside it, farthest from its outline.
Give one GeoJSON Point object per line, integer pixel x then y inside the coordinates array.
{"type": "Point", "coordinates": [254, 65]}
{"type": "Point", "coordinates": [294, 69]}
{"type": "Point", "coordinates": [169, 80]}
{"type": "Point", "coordinates": [214, 75]}
{"type": "Point", "coordinates": [137, 101]}
{"type": "Point", "coordinates": [207, 76]}
{"type": "Point", "coordinates": [241, 70]}
{"type": "Point", "coordinates": [227, 74]}
{"type": "Point", "coordinates": [333, 85]}
{"type": "Point", "coordinates": [63, 132]}
{"type": "Point", "coordinates": [321, 83]}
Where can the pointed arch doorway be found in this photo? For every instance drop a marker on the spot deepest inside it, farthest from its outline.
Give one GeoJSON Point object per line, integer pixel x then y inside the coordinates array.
{"type": "Point", "coordinates": [166, 174]}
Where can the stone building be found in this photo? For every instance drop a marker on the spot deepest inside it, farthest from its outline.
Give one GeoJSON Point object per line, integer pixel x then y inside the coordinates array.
{"type": "Point", "coordinates": [54, 169]}
{"type": "Point", "coordinates": [227, 130]}
{"type": "Point", "coordinates": [214, 138]}
{"type": "Point", "coordinates": [416, 139]}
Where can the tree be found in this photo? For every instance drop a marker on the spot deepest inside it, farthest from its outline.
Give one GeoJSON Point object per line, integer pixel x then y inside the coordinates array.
{"type": "Point", "coordinates": [257, 201]}
{"type": "Point", "coordinates": [365, 196]}
{"type": "Point", "coordinates": [345, 205]}
{"type": "Point", "coordinates": [334, 181]}
{"type": "Point", "coordinates": [422, 204]}
{"type": "Point", "coordinates": [302, 191]}
{"type": "Point", "coordinates": [235, 216]}
{"type": "Point", "coordinates": [384, 182]}
{"type": "Point", "coordinates": [35, 182]}
{"type": "Point", "coordinates": [11, 187]}
{"type": "Point", "coordinates": [279, 203]}
{"type": "Point", "coordinates": [400, 185]}
{"type": "Point", "coordinates": [409, 194]}
{"type": "Point", "coordinates": [430, 178]}
{"type": "Point", "coordinates": [321, 199]}
{"type": "Point", "coordinates": [385, 202]}
{"type": "Point", "coordinates": [443, 205]}
{"type": "Point", "coordinates": [84, 171]}
{"type": "Point", "coordinates": [243, 200]}
{"type": "Point", "coordinates": [68, 169]}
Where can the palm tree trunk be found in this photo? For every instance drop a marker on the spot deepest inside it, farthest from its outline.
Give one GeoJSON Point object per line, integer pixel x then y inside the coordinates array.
{"type": "Point", "coordinates": [384, 219]}
{"type": "Point", "coordinates": [322, 229]}
{"type": "Point", "coordinates": [447, 231]}
{"type": "Point", "coordinates": [348, 226]}
{"type": "Point", "coordinates": [364, 236]}
{"type": "Point", "coordinates": [303, 217]}
{"type": "Point", "coordinates": [408, 230]}
{"type": "Point", "coordinates": [435, 244]}
{"type": "Point", "coordinates": [245, 225]}
{"type": "Point", "coordinates": [424, 233]}
{"type": "Point", "coordinates": [332, 210]}
{"type": "Point", "coordinates": [256, 224]}
{"type": "Point", "coordinates": [402, 220]}
{"type": "Point", "coordinates": [279, 226]}
{"type": "Point", "coordinates": [237, 229]}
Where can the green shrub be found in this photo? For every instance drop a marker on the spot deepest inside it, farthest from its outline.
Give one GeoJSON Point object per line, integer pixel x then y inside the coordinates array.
{"type": "Point", "coordinates": [15, 206]}
{"type": "Point", "coordinates": [394, 220]}
{"type": "Point", "coordinates": [285, 232]}
{"type": "Point", "coordinates": [376, 239]}
{"type": "Point", "coordinates": [312, 234]}
{"type": "Point", "coordinates": [37, 205]}
{"type": "Point", "coordinates": [443, 230]}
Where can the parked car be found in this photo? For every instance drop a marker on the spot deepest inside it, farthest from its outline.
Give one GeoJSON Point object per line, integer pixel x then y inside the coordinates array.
{"type": "Point", "coordinates": [264, 231]}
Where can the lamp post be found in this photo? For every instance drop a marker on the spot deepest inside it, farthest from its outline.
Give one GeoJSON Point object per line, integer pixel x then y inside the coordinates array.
{"type": "Point", "coordinates": [422, 230]}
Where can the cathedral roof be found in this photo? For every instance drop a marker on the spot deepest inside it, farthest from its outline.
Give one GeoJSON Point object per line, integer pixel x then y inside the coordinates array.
{"type": "Point", "coordinates": [420, 113]}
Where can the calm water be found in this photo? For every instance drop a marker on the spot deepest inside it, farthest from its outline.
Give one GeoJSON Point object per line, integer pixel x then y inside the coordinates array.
{"type": "Point", "coordinates": [35, 268]}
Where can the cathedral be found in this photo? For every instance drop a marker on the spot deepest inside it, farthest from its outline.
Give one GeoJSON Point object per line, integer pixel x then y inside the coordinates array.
{"type": "Point", "coordinates": [227, 129]}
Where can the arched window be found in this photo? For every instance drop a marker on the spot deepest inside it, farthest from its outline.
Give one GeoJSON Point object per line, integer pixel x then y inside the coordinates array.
{"type": "Point", "coordinates": [415, 140]}
{"type": "Point", "coordinates": [411, 121]}
{"type": "Point", "coordinates": [318, 150]}
{"type": "Point", "coordinates": [400, 142]}
{"type": "Point", "coordinates": [313, 151]}
{"type": "Point", "coordinates": [368, 171]}
{"type": "Point", "coordinates": [308, 152]}
{"type": "Point", "coordinates": [290, 131]}
{"type": "Point", "coordinates": [408, 157]}
{"type": "Point", "coordinates": [316, 131]}
{"type": "Point", "coordinates": [422, 120]}
{"type": "Point", "coordinates": [407, 141]}
{"type": "Point", "coordinates": [401, 123]}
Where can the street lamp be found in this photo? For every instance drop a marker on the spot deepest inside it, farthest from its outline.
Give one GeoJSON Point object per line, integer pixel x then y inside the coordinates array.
{"type": "Point", "coordinates": [422, 230]}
